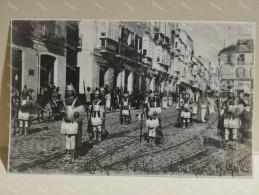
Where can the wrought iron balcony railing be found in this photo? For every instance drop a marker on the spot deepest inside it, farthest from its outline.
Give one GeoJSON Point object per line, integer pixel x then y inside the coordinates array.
{"type": "Point", "coordinates": [53, 35]}
{"type": "Point", "coordinates": [147, 60]}
{"type": "Point", "coordinates": [129, 52]}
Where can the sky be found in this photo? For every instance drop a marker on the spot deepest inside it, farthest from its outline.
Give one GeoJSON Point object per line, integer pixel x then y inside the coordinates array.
{"type": "Point", "coordinates": [209, 37]}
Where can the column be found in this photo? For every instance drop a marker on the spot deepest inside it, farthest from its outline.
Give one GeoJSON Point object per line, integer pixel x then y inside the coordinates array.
{"type": "Point", "coordinates": [108, 78]}
{"type": "Point", "coordinates": [120, 79]}
{"type": "Point", "coordinates": [148, 84]}
{"type": "Point", "coordinates": [130, 83]}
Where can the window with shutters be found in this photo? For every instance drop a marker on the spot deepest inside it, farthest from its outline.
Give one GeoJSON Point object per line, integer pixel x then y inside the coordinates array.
{"type": "Point", "coordinates": [229, 59]}
{"type": "Point", "coordinates": [240, 72]}
{"type": "Point", "coordinates": [103, 42]}
{"type": "Point", "coordinates": [241, 59]}
{"type": "Point", "coordinates": [144, 52]}
{"type": "Point", "coordinates": [145, 42]}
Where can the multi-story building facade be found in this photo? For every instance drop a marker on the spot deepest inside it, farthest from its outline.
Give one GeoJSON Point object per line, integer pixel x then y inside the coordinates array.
{"type": "Point", "coordinates": [237, 66]}
{"type": "Point", "coordinates": [41, 51]}
{"type": "Point", "coordinates": [183, 54]}
{"type": "Point", "coordinates": [129, 55]}
{"type": "Point", "coordinates": [152, 55]}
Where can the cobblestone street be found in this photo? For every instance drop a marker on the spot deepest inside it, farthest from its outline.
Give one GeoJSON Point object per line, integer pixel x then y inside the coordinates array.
{"type": "Point", "coordinates": [196, 150]}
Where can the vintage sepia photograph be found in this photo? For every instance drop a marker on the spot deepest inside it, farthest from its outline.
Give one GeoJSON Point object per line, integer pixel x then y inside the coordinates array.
{"type": "Point", "coordinates": [149, 98]}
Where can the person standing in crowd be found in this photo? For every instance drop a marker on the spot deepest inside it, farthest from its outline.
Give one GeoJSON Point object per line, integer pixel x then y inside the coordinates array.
{"type": "Point", "coordinates": [118, 91]}
{"type": "Point", "coordinates": [96, 119]}
{"type": "Point", "coordinates": [69, 127]}
{"type": "Point", "coordinates": [195, 104]}
{"type": "Point", "coordinates": [152, 118]}
{"type": "Point", "coordinates": [15, 108]}
{"type": "Point", "coordinates": [55, 92]}
{"type": "Point", "coordinates": [108, 100]}
{"type": "Point", "coordinates": [246, 116]}
{"type": "Point", "coordinates": [231, 122]}
{"type": "Point", "coordinates": [186, 112]}
{"type": "Point", "coordinates": [52, 87]}
{"type": "Point", "coordinates": [42, 101]}
{"type": "Point", "coordinates": [152, 125]}
{"type": "Point", "coordinates": [113, 100]}
{"type": "Point", "coordinates": [106, 89]}
{"type": "Point", "coordinates": [125, 109]}
{"type": "Point", "coordinates": [211, 104]}
{"type": "Point", "coordinates": [179, 107]}
{"type": "Point", "coordinates": [202, 108]}
{"type": "Point", "coordinates": [164, 100]}
{"type": "Point", "coordinates": [24, 112]}
{"type": "Point", "coordinates": [54, 107]}
{"type": "Point", "coordinates": [170, 99]}
{"type": "Point", "coordinates": [88, 100]}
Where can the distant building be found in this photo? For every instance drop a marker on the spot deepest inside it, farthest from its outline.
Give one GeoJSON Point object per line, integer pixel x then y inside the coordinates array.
{"type": "Point", "coordinates": [237, 66]}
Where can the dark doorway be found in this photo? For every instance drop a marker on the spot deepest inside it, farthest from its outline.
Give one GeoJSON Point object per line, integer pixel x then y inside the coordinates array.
{"type": "Point", "coordinates": [47, 69]}
{"type": "Point", "coordinates": [72, 76]}
{"type": "Point", "coordinates": [17, 69]}
{"type": "Point", "coordinates": [143, 83]}
{"type": "Point", "coordinates": [157, 85]}
{"type": "Point", "coordinates": [136, 83]}
{"type": "Point", "coordinates": [101, 76]}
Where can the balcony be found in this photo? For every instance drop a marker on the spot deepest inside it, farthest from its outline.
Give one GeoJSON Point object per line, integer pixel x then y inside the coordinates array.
{"type": "Point", "coordinates": [108, 45]}
{"type": "Point", "coordinates": [177, 52]}
{"type": "Point", "coordinates": [129, 53]}
{"type": "Point", "coordinates": [166, 42]}
{"type": "Point", "coordinates": [163, 62]}
{"type": "Point", "coordinates": [53, 35]}
{"type": "Point", "coordinates": [147, 60]}
{"type": "Point", "coordinates": [177, 32]}
{"type": "Point", "coordinates": [159, 38]}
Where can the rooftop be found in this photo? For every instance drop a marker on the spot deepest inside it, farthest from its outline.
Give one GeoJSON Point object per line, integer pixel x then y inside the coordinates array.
{"type": "Point", "coordinates": [242, 46]}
